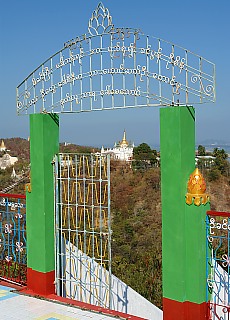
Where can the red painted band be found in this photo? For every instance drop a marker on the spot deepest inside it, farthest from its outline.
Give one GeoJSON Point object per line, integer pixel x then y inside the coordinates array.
{"type": "Point", "coordinates": [11, 195]}
{"type": "Point", "coordinates": [218, 213]}
{"type": "Point", "coordinates": [175, 310]}
{"type": "Point", "coordinates": [41, 283]}
{"type": "Point", "coordinates": [10, 284]}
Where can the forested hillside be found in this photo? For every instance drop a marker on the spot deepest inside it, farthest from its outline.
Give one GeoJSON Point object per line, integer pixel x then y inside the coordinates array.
{"type": "Point", "coordinates": [20, 148]}
{"type": "Point", "coordinates": [136, 225]}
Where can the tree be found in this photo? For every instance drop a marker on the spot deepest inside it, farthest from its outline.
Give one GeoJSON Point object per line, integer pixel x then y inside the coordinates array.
{"type": "Point", "coordinates": [221, 162]}
{"type": "Point", "coordinates": [213, 174]}
{"type": "Point", "coordinates": [142, 152]}
{"type": "Point", "coordinates": [144, 156]}
{"type": "Point", "coordinates": [220, 153]}
{"type": "Point", "coordinates": [201, 150]}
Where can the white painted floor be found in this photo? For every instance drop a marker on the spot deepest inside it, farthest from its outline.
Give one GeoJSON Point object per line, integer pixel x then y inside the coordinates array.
{"type": "Point", "coordinates": [14, 306]}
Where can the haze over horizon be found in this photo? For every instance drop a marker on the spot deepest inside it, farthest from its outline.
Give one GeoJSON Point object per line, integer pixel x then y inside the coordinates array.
{"type": "Point", "coordinates": [33, 31]}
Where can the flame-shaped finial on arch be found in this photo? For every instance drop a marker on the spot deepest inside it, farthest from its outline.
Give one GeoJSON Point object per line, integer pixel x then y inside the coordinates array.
{"type": "Point", "coordinates": [101, 21]}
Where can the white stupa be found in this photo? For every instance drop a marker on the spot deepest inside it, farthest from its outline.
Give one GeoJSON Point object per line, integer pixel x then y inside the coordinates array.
{"type": "Point", "coordinates": [122, 150]}
{"type": "Point", "coordinates": [7, 161]}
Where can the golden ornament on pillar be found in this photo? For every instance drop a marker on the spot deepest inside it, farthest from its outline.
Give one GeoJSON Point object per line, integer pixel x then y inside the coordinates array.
{"type": "Point", "coordinates": [196, 189]}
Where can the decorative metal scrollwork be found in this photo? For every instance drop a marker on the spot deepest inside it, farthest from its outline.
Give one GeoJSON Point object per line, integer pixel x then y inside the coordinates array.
{"type": "Point", "coordinates": [8, 228]}
{"type": "Point", "coordinates": [75, 79]}
{"type": "Point", "coordinates": [19, 246]}
{"type": "Point", "coordinates": [84, 227]}
{"type": "Point", "coordinates": [218, 264]}
{"type": "Point", "coordinates": [8, 259]}
{"type": "Point", "coordinates": [226, 260]}
{"type": "Point", "coordinates": [208, 90]}
{"type": "Point", "coordinates": [13, 238]}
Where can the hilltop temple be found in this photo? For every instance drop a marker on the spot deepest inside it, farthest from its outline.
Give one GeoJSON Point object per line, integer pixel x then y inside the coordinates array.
{"type": "Point", "coordinates": [6, 160]}
{"type": "Point", "coordinates": [122, 150]}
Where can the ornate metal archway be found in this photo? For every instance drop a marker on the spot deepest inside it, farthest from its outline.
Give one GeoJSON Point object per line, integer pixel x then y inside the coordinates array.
{"type": "Point", "coordinates": [113, 68]}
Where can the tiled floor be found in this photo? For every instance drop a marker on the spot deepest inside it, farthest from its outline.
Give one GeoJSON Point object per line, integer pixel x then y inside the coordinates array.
{"type": "Point", "coordinates": [14, 306]}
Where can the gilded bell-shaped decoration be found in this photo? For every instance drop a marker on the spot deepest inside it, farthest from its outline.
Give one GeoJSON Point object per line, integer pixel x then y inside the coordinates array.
{"type": "Point", "coordinates": [196, 189]}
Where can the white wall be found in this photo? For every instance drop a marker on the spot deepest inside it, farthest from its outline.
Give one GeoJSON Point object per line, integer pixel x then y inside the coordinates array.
{"type": "Point", "coordinates": [87, 281]}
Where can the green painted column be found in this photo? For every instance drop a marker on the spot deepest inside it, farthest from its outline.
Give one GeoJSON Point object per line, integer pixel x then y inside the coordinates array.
{"type": "Point", "coordinates": [195, 231]}
{"type": "Point", "coordinates": [44, 144]}
{"type": "Point", "coordinates": [183, 225]}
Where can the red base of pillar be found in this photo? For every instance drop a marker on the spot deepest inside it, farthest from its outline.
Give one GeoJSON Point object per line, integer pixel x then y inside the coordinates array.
{"type": "Point", "coordinates": [174, 310]}
{"type": "Point", "coordinates": [40, 283]}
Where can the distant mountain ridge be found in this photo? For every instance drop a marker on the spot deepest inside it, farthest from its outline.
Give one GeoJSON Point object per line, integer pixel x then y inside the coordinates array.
{"type": "Point", "coordinates": [214, 142]}
{"type": "Point", "coordinates": [210, 147]}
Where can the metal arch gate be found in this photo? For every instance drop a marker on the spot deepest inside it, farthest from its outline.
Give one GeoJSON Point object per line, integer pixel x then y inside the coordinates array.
{"type": "Point", "coordinates": [83, 228]}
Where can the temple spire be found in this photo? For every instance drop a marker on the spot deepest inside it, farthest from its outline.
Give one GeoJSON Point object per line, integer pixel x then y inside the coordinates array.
{"type": "Point", "coordinates": [2, 147]}
{"type": "Point", "coordinates": [124, 141]}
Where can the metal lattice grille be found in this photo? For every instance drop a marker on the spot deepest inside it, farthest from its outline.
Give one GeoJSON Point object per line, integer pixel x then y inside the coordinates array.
{"type": "Point", "coordinates": [218, 264]}
{"type": "Point", "coordinates": [13, 254]}
{"type": "Point", "coordinates": [83, 233]}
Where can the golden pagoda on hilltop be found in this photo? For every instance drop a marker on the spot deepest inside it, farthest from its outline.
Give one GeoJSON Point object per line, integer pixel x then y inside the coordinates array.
{"type": "Point", "coordinates": [122, 150]}
{"type": "Point", "coordinates": [2, 147]}
{"type": "Point", "coordinates": [124, 142]}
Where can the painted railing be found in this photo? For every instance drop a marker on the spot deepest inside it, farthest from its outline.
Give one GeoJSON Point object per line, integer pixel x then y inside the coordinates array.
{"type": "Point", "coordinates": [218, 264]}
{"type": "Point", "coordinates": [13, 255]}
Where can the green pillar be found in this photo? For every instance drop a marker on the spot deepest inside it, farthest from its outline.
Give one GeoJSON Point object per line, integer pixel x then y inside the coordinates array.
{"type": "Point", "coordinates": [183, 225]}
{"type": "Point", "coordinates": [195, 230]}
{"type": "Point", "coordinates": [44, 144]}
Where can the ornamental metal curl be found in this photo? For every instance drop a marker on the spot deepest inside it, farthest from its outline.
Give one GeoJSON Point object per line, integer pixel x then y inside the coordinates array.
{"type": "Point", "coordinates": [116, 68]}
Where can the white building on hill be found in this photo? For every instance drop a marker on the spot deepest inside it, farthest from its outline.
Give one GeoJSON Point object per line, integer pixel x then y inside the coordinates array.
{"type": "Point", "coordinates": [7, 161]}
{"type": "Point", "coordinates": [122, 150]}
{"type": "Point", "coordinates": [207, 161]}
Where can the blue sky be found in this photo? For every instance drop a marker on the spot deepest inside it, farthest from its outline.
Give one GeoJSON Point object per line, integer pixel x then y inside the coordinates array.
{"type": "Point", "coordinates": [31, 31]}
